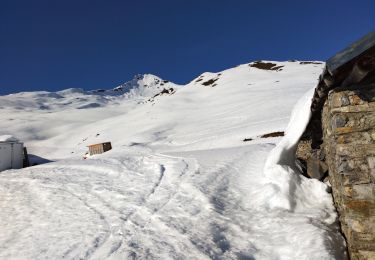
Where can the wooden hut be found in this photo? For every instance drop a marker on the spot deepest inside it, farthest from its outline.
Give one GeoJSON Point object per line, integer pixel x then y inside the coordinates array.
{"type": "Point", "coordinates": [99, 148]}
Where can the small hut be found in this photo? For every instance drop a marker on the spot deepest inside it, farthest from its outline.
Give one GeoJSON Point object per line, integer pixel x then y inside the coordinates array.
{"type": "Point", "coordinates": [11, 153]}
{"type": "Point", "coordinates": [99, 148]}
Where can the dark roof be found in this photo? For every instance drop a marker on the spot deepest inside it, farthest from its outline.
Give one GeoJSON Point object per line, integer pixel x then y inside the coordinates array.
{"type": "Point", "coordinates": [352, 51]}
{"type": "Point", "coordinates": [104, 143]}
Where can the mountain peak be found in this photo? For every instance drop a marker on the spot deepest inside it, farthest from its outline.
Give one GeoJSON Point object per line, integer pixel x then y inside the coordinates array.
{"type": "Point", "coordinates": [144, 85]}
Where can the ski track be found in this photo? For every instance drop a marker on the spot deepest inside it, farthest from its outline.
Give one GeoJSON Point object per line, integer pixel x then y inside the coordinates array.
{"type": "Point", "coordinates": [171, 180]}
{"type": "Point", "coordinates": [199, 204]}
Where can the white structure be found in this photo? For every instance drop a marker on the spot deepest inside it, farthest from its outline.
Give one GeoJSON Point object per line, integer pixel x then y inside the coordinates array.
{"type": "Point", "coordinates": [11, 153]}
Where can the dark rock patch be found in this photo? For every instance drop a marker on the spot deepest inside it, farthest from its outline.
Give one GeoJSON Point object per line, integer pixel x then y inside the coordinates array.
{"type": "Point", "coordinates": [210, 82]}
{"type": "Point", "coordinates": [309, 62]}
{"type": "Point", "coordinates": [99, 91]}
{"type": "Point", "coordinates": [265, 66]}
{"type": "Point", "coordinates": [199, 79]}
{"type": "Point", "coordinates": [165, 91]}
{"type": "Point", "coordinates": [273, 134]}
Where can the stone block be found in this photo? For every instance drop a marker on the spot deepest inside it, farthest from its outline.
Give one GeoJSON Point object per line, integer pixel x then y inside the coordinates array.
{"type": "Point", "coordinates": [316, 168]}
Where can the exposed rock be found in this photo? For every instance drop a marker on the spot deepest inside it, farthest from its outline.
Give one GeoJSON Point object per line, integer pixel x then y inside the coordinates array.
{"type": "Point", "coordinates": [210, 82]}
{"type": "Point", "coordinates": [310, 62]}
{"type": "Point", "coordinates": [316, 168]}
{"type": "Point", "coordinates": [273, 134]}
{"type": "Point", "coordinates": [265, 65]}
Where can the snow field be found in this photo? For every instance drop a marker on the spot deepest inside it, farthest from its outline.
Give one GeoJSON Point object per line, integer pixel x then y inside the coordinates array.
{"type": "Point", "coordinates": [180, 183]}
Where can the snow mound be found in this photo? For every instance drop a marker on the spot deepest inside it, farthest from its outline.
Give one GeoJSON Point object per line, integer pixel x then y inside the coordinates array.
{"type": "Point", "coordinates": [8, 138]}
{"type": "Point", "coordinates": [286, 189]}
{"type": "Point", "coordinates": [281, 162]}
{"type": "Point", "coordinates": [70, 91]}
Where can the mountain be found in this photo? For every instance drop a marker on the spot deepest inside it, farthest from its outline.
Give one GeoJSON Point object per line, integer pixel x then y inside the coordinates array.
{"type": "Point", "coordinates": [140, 87]}
{"type": "Point", "coordinates": [187, 176]}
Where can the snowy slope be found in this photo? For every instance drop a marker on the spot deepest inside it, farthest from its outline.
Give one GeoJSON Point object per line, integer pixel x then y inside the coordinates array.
{"type": "Point", "coordinates": [138, 88]}
{"type": "Point", "coordinates": [180, 181]}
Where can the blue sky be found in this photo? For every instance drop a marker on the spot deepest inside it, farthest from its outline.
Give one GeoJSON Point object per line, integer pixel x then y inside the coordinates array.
{"type": "Point", "coordinates": [53, 45]}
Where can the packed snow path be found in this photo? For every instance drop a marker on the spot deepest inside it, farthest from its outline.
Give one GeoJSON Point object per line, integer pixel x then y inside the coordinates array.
{"type": "Point", "coordinates": [190, 205]}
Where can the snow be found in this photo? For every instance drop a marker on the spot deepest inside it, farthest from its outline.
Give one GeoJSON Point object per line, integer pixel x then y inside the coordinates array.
{"type": "Point", "coordinates": [287, 190]}
{"type": "Point", "coordinates": [179, 182]}
{"type": "Point", "coordinates": [8, 138]}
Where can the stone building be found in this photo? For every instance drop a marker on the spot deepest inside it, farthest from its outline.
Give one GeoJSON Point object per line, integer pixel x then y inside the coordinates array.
{"type": "Point", "coordinates": [340, 138]}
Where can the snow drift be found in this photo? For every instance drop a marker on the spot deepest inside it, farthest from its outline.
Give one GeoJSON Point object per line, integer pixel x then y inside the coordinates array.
{"type": "Point", "coordinates": [288, 190]}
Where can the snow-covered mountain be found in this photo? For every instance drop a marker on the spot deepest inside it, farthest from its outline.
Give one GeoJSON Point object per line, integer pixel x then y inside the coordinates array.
{"type": "Point", "coordinates": [140, 87]}
{"type": "Point", "coordinates": [186, 178]}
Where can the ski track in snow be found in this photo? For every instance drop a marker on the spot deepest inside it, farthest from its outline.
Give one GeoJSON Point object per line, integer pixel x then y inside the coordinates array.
{"type": "Point", "coordinates": [204, 203]}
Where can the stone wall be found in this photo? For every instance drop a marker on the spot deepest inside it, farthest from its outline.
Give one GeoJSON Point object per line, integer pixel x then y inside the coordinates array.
{"type": "Point", "coordinates": [348, 122]}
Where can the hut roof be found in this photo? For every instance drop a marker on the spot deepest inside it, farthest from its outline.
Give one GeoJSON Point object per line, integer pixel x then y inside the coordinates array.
{"type": "Point", "coordinates": [8, 138]}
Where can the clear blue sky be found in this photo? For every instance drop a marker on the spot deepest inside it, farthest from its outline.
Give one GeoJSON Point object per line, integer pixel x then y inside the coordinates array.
{"type": "Point", "coordinates": [52, 45]}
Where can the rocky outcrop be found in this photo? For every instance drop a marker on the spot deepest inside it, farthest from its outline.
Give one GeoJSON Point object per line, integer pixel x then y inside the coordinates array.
{"type": "Point", "coordinates": [348, 121]}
